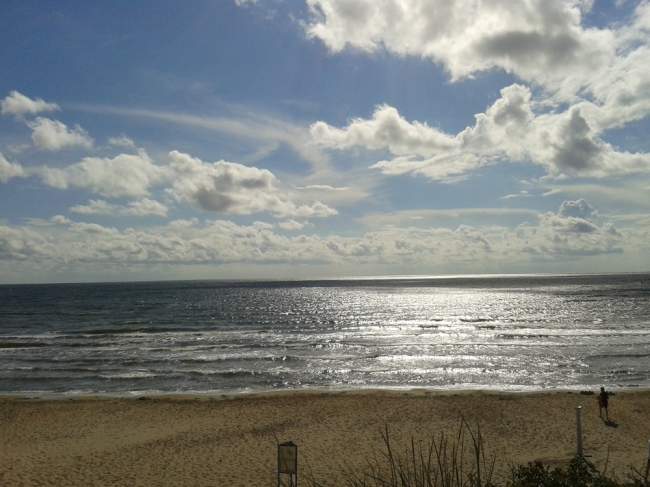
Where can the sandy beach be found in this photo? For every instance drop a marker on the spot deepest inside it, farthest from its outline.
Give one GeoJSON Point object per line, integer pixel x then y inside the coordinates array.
{"type": "Point", "coordinates": [223, 440]}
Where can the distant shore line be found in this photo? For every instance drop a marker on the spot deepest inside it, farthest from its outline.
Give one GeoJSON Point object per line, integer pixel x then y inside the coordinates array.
{"type": "Point", "coordinates": [329, 281]}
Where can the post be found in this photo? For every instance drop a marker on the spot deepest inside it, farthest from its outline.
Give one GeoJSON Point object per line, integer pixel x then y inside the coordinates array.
{"type": "Point", "coordinates": [579, 451]}
{"type": "Point", "coordinates": [647, 466]}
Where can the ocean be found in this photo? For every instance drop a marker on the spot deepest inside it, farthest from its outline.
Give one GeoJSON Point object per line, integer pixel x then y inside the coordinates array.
{"type": "Point", "coordinates": [499, 332]}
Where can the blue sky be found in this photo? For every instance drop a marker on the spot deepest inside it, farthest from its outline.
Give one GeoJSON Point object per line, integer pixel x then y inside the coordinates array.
{"type": "Point", "coordinates": [322, 138]}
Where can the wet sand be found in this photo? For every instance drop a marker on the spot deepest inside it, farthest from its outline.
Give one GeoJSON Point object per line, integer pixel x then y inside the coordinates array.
{"type": "Point", "coordinates": [221, 440]}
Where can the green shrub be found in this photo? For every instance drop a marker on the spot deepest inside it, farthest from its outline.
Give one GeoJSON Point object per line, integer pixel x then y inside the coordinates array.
{"type": "Point", "coordinates": [579, 473]}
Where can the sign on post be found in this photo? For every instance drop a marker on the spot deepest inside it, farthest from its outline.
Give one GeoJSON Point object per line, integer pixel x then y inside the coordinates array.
{"type": "Point", "coordinates": [579, 448]}
{"type": "Point", "coordinates": [288, 464]}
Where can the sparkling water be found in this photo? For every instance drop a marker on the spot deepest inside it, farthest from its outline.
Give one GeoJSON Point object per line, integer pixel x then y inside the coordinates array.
{"type": "Point", "coordinates": [499, 332]}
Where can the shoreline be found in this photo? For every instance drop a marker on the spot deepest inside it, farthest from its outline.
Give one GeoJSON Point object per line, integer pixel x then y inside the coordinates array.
{"type": "Point", "coordinates": [230, 439]}
{"type": "Point", "coordinates": [308, 391]}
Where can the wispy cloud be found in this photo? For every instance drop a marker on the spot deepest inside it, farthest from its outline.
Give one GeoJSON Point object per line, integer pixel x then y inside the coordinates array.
{"type": "Point", "coordinates": [629, 193]}
{"type": "Point", "coordinates": [266, 129]}
{"type": "Point", "coordinates": [143, 207]}
{"type": "Point", "coordinates": [451, 216]}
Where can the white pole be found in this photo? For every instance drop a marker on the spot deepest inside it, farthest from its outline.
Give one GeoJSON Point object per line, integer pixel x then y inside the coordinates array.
{"type": "Point", "coordinates": [647, 465]}
{"type": "Point", "coordinates": [579, 431]}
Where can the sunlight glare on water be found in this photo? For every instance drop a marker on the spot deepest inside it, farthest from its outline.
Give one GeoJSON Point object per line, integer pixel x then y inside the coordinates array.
{"type": "Point", "coordinates": [521, 333]}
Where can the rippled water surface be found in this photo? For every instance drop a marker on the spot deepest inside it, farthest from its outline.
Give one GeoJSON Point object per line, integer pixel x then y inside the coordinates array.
{"type": "Point", "coordinates": [498, 332]}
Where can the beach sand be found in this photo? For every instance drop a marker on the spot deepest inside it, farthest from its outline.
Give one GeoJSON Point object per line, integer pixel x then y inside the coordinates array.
{"type": "Point", "coordinates": [230, 441]}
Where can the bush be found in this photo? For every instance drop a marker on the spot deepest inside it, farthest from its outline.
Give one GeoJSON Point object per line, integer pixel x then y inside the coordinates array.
{"type": "Point", "coordinates": [579, 473]}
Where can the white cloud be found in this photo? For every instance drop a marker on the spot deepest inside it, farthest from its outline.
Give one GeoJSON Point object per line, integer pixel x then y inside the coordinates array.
{"type": "Point", "coordinates": [521, 194]}
{"type": "Point", "coordinates": [53, 135]}
{"type": "Point", "coordinates": [222, 187]}
{"type": "Point", "coordinates": [18, 105]}
{"type": "Point", "coordinates": [621, 93]}
{"type": "Point", "coordinates": [386, 130]}
{"type": "Point", "coordinates": [568, 145]}
{"type": "Point", "coordinates": [95, 207]}
{"type": "Point", "coordinates": [323, 187]}
{"type": "Point", "coordinates": [599, 74]}
{"type": "Point", "coordinates": [551, 237]}
{"type": "Point", "coordinates": [564, 143]}
{"type": "Point", "coordinates": [10, 170]}
{"type": "Point", "coordinates": [146, 206]}
{"type": "Point", "coordinates": [500, 132]}
{"type": "Point", "coordinates": [577, 208]}
{"type": "Point", "coordinates": [337, 195]}
{"type": "Point", "coordinates": [228, 187]}
{"type": "Point", "coordinates": [627, 193]}
{"type": "Point", "coordinates": [22, 243]}
{"type": "Point", "coordinates": [245, 125]}
{"type": "Point", "coordinates": [126, 175]}
{"type": "Point", "coordinates": [542, 41]}
{"type": "Point", "coordinates": [142, 207]}
{"type": "Point", "coordinates": [291, 225]}
{"type": "Point", "coordinates": [447, 217]}
{"type": "Point", "coordinates": [121, 141]}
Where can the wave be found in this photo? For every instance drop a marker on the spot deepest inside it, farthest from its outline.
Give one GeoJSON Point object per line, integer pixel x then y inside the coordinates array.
{"type": "Point", "coordinates": [146, 330]}
{"type": "Point", "coordinates": [576, 334]}
{"type": "Point", "coordinates": [618, 355]}
{"type": "Point", "coordinates": [134, 374]}
{"type": "Point", "coordinates": [522, 336]}
{"type": "Point", "coordinates": [627, 373]}
{"type": "Point", "coordinates": [241, 358]}
{"type": "Point", "coordinates": [23, 344]}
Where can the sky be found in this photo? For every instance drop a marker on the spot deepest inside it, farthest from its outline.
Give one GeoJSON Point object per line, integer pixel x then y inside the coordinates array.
{"type": "Point", "coordinates": [297, 139]}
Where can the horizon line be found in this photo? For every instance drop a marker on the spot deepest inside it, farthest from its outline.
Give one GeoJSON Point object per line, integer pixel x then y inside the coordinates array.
{"type": "Point", "coordinates": [385, 277]}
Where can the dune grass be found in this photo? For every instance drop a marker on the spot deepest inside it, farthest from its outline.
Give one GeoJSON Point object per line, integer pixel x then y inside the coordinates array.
{"type": "Point", "coordinates": [462, 461]}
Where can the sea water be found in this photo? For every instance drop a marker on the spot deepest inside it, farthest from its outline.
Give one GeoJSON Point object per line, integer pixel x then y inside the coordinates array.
{"type": "Point", "coordinates": [498, 332]}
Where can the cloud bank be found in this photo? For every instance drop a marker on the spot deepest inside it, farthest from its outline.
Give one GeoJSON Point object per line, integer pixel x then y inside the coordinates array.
{"type": "Point", "coordinates": [548, 237]}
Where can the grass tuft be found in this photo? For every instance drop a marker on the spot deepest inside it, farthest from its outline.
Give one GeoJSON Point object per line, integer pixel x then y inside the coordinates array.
{"type": "Point", "coordinates": [461, 461]}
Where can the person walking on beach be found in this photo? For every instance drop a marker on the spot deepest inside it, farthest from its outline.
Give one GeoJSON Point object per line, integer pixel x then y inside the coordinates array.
{"type": "Point", "coordinates": [603, 402]}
